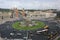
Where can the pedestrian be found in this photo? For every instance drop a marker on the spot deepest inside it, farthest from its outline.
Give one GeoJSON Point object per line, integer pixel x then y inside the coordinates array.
{"type": "Point", "coordinates": [2, 17]}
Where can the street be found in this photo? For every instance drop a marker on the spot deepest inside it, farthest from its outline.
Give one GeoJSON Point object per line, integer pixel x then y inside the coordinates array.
{"type": "Point", "coordinates": [6, 29]}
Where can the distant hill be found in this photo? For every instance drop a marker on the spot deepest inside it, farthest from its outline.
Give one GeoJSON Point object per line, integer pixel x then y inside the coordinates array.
{"type": "Point", "coordinates": [5, 10]}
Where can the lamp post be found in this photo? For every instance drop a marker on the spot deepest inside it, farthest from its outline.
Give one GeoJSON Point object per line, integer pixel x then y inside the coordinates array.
{"type": "Point", "coordinates": [25, 36]}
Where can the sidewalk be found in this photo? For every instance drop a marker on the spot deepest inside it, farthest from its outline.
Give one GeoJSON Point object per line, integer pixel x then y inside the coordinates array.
{"type": "Point", "coordinates": [8, 19]}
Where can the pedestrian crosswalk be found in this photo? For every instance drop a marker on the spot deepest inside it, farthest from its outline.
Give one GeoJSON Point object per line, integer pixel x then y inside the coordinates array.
{"type": "Point", "coordinates": [17, 39]}
{"type": "Point", "coordinates": [12, 39]}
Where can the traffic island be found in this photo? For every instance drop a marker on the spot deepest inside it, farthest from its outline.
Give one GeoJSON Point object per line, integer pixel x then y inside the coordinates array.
{"type": "Point", "coordinates": [28, 26]}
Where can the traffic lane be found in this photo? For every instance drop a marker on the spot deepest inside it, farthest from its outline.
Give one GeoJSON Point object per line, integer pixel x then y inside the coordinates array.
{"type": "Point", "coordinates": [39, 37]}
{"type": "Point", "coordinates": [51, 26]}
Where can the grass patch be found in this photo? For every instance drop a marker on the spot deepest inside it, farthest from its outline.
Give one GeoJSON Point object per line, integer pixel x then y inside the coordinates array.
{"type": "Point", "coordinates": [17, 26]}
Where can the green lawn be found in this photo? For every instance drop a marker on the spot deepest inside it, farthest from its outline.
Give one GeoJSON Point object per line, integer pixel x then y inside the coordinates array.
{"type": "Point", "coordinates": [17, 26]}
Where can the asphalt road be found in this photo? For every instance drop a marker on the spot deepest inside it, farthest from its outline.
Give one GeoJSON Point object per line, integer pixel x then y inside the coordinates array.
{"type": "Point", "coordinates": [6, 29]}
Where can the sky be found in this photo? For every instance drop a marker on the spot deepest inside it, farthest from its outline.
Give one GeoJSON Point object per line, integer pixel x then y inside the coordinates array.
{"type": "Point", "coordinates": [30, 4]}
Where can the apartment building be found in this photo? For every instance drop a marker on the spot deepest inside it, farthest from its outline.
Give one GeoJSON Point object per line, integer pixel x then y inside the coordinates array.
{"type": "Point", "coordinates": [40, 15]}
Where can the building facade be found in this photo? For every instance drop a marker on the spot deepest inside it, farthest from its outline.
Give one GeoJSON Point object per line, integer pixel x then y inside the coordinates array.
{"type": "Point", "coordinates": [40, 15]}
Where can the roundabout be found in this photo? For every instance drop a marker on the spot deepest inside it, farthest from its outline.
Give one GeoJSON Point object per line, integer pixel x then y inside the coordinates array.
{"type": "Point", "coordinates": [34, 25]}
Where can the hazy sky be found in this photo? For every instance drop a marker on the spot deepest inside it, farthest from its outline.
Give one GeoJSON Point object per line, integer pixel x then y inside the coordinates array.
{"type": "Point", "coordinates": [30, 4]}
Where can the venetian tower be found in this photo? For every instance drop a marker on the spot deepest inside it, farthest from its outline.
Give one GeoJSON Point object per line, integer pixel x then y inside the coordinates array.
{"type": "Point", "coordinates": [16, 12]}
{"type": "Point", "coordinates": [23, 12]}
